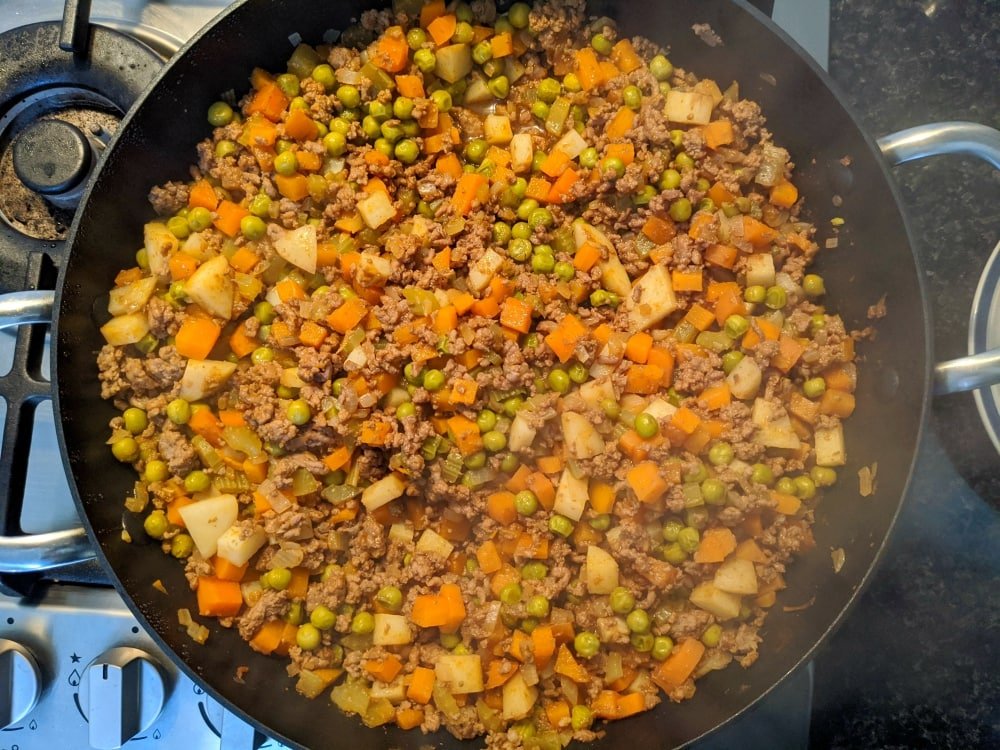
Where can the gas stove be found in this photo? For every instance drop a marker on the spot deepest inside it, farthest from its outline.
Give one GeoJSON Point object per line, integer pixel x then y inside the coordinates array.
{"type": "Point", "coordinates": [76, 669]}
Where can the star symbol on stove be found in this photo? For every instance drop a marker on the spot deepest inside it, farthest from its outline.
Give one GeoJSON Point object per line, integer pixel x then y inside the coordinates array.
{"type": "Point", "coordinates": [75, 658]}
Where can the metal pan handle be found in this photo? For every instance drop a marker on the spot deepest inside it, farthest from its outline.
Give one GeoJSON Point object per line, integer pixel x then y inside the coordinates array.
{"type": "Point", "coordinates": [37, 552]}
{"type": "Point", "coordinates": [977, 370]}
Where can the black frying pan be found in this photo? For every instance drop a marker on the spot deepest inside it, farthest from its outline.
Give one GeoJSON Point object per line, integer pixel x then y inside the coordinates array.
{"type": "Point", "coordinates": [156, 143]}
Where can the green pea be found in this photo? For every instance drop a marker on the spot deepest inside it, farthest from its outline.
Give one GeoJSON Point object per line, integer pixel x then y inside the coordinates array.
{"type": "Point", "coordinates": [588, 157]}
{"type": "Point", "coordinates": [322, 618]}
{"type": "Point", "coordinates": [598, 297]}
{"type": "Point", "coordinates": [611, 408]}
{"type": "Point", "coordinates": [721, 454]}
{"type": "Point", "coordinates": [646, 425]}
{"type": "Point", "coordinates": [406, 409]}
{"type": "Point", "coordinates": [199, 218]}
{"type": "Point", "coordinates": [713, 491]}
{"type": "Point", "coordinates": [540, 217]}
{"type": "Point", "coordinates": [286, 163]}
{"type": "Point", "coordinates": [823, 476]}
{"type": "Point", "coordinates": [680, 209]}
{"type": "Point", "coordinates": [736, 325]}
{"type": "Point", "coordinates": [670, 179]}
{"type": "Point", "coordinates": [390, 597]}
{"type": "Point", "coordinates": [581, 717]}
{"type": "Point", "coordinates": [644, 196]}
{"type": "Point", "coordinates": [475, 150]}
{"type": "Point", "coordinates": [494, 441]}
{"type": "Point", "coordinates": [385, 147]}
{"type": "Point", "coordinates": [813, 285]}
{"type": "Point", "coordinates": [534, 571]}
{"type": "Point", "coordinates": [262, 354]}
{"type": "Point", "coordinates": [571, 82]}
{"type": "Point", "coordinates": [509, 463]}
{"type": "Point", "coordinates": [391, 130]}
{"type": "Point", "coordinates": [542, 263]}
{"type": "Point", "coordinates": [730, 360]}
{"type": "Point", "coordinates": [289, 84]}
{"type": "Point", "coordinates": [638, 621]}
{"type": "Point", "coordinates": [601, 522]}
{"type": "Point", "coordinates": [295, 614]}
{"type": "Point", "coordinates": [426, 61]}
{"type": "Point", "coordinates": [621, 600]}
{"type": "Point", "coordinates": [539, 110]}
{"type": "Point", "coordinates": [526, 503]}
{"type": "Point", "coordinates": [179, 227]}
{"type": "Point", "coordinates": [434, 380]}
{"type": "Point", "coordinates": [512, 406]}
{"type": "Point", "coordinates": [586, 644]}
{"type": "Point", "coordinates": [560, 525]}
{"type": "Point", "coordinates": [786, 486]}
{"type": "Point", "coordinates": [558, 380]}
{"type": "Point", "coordinates": [220, 114]}
{"type": "Point", "coordinates": [537, 160]}
{"type": "Point", "coordinates": [335, 143]}
{"type": "Point", "coordinates": [510, 594]}
{"type": "Point", "coordinates": [181, 546]}
{"type": "Point", "coordinates": [197, 481]}
{"type": "Point", "coordinates": [519, 15]}
{"type": "Point", "coordinates": [661, 68]}
{"type": "Point", "coordinates": [349, 96]}
{"type": "Point", "coordinates": [817, 323]}
{"type": "Point", "coordinates": [755, 294]}
{"type": "Point", "coordinates": [524, 211]}
{"type": "Point", "coordinates": [613, 166]}
{"type": "Point", "coordinates": [761, 474]}
{"type": "Point", "coordinates": [776, 298]}
{"type": "Point", "coordinates": [482, 52]}
{"type": "Point", "coordinates": [156, 524]}
{"type": "Point", "coordinates": [501, 233]}
{"type": "Point", "coordinates": [370, 127]}
{"type": "Point", "coordinates": [688, 539]}
{"type": "Point", "coordinates": [253, 227]}
{"type": "Point", "coordinates": [179, 411]}
{"type": "Point", "coordinates": [363, 623]}
{"type": "Point", "coordinates": [135, 420]}
{"type": "Point", "coordinates": [156, 471]}
{"type": "Point", "coordinates": [814, 387]}
{"type": "Point", "coordinates": [670, 530]}
{"type": "Point", "coordinates": [601, 44]}
{"type": "Point", "coordinates": [475, 460]}
{"type": "Point", "coordinates": [712, 635]}
{"type": "Point", "coordinates": [464, 33]}
{"type": "Point", "coordinates": [416, 38]}
{"type": "Point", "coordinates": [673, 553]}
{"type": "Point", "coordinates": [521, 230]}
{"type": "Point", "coordinates": [662, 646]}
{"type": "Point", "coordinates": [308, 637]}
{"type": "Point", "coordinates": [486, 420]}
{"type": "Point", "coordinates": [125, 450]}
{"type": "Point", "coordinates": [226, 148]}
{"type": "Point", "coordinates": [805, 487]}
{"type": "Point", "coordinates": [407, 151]}
{"type": "Point", "coordinates": [564, 270]}
{"type": "Point", "coordinates": [298, 412]}
{"type": "Point", "coordinates": [632, 97]}
{"type": "Point", "coordinates": [684, 161]}
{"type": "Point", "coordinates": [537, 606]}
{"type": "Point", "coordinates": [402, 107]}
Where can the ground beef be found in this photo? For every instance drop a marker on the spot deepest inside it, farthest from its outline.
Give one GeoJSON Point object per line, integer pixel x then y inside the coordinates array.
{"type": "Point", "coordinates": [170, 198]}
{"type": "Point", "coordinates": [176, 450]}
{"type": "Point", "coordinates": [271, 606]}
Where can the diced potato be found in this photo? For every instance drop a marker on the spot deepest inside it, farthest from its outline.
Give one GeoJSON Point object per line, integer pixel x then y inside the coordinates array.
{"type": "Point", "coordinates": [581, 437]}
{"type": "Point", "coordinates": [453, 62]}
{"type": "Point", "coordinates": [522, 152]}
{"type": "Point", "coordinates": [710, 88]}
{"type": "Point", "coordinates": [383, 491]}
{"type": "Point", "coordinates": [720, 603]}
{"type": "Point", "coordinates": [518, 698]}
{"type": "Point", "coordinates": [395, 691]}
{"type": "Point", "coordinates": [206, 521]}
{"type": "Point", "coordinates": [462, 673]}
{"type": "Point", "coordinates": [211, 287]}
{"type": "Point", "coordinates": [614, 277]}
{"type": "Point", "coordinates": [571, 495]}
{"type": "Point", "coordinates": [760, 270]}
{"type": "Point", "coordinates": [477, 92]}
{"type": "Point", "coordinates": [688, 107]}
{"type": "Point", "coordinates": [373, 269]}
{"type": "Point", "coordinates": [830, 450]}
{"type": "Point", "coordinates": [237, 548]}
{"type": "Point", "coordinates": [391, 630]}
{"type": "Point", "coordinates": [351, 696]}
{"type": "Point", "coordinates": [653, 301]}
{"type": "Point", "coordinates": [402, 533]}
{"type": "Point", "coordinates": [572, 144]}
{"type": "Point", "coordinates": [160, 244]}
{"type": "Point", "coordinates": [202, 377]}
{"type": "Point", "coordinates": [601, 574]}
{"type": "Point", "coordinates": [196, 245]}
{"type": "Point", "coordinates": [298, 247]}
{"type": "Point", "coordinates": [376, 209]}
{"type": "Point", "coordinates": [380, 711]}
{"type": "Point", "coordinates": [584, 233]}
{"type": "Point", "coordinates": [593, 392]}
{"type": "Point", "coordinates": [290, 378]}
{"type": "Point", "coordinates": [776, 436]}
{"type": "Point", "coordinates": [522, 434]}
{"type": "Point", "coordinates": [434, 544]}
{"type": "Point", "coordinates": [661, 409]}
{"type": "Point", "coordinates": [737, 576]}
{"type": "Point", "coordinates": [497, 130]}
{"type": "Point", "coordinates": [125, 329]}
{"type": "Point", "coordinates": [131, 298]}
{"type": "Point", "coordinates": [744, 379]}
{"type": "Point", "coordinates": [483, 270]}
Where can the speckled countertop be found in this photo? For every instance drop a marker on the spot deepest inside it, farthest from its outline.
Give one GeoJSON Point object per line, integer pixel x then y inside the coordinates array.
{"type": "Point", "coordinates": [917, 663]}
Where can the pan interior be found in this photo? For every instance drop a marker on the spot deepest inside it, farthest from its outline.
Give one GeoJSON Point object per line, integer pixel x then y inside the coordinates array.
{"type": "Point", "coordinates": [872, 258]}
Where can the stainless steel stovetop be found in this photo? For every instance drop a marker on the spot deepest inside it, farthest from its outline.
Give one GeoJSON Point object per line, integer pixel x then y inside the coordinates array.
{"type": "Point", "coordinates": [76, 669]}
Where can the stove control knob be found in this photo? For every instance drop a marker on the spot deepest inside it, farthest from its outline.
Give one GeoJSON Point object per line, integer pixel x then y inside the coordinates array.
{"type": "Point", "coordinates": [122, 693]}
{"type": "Point", "coordinates": [20, 682]}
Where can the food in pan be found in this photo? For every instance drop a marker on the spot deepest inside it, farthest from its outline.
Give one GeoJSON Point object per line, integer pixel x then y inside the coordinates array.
{"type": "Point", "coordinates": [477, 372]}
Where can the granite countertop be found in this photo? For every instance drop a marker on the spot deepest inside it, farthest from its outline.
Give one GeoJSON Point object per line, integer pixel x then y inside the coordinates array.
{"type": "Point", "coordinates": [917, 662]}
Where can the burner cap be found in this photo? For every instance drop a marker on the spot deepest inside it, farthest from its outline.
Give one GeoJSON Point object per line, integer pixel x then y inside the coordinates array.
{"type": "Point", "coordinates": [51, 156]}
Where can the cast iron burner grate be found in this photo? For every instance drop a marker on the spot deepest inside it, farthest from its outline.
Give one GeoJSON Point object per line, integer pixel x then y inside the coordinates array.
{"type": "Point", "coordinates": [64, 87]}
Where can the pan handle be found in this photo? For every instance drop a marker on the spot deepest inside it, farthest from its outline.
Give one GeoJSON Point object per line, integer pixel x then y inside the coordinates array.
{"type": "Point", "coordinates": [956, 137]}
{"type": "Point", "coordinates": [33, 553]}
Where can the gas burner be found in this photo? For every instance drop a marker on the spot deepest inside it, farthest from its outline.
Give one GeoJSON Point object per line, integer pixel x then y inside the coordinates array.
{"type": "Point", "coordinates": [984, 335]}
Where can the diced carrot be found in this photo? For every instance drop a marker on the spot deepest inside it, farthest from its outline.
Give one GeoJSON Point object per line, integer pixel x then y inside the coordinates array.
{"type": "Point", "coordinates": [687, 281]}
{"type": "Point", "coordinates": [543, 488]}
{"type": "Point", "coordinates": [588, 69]}
{"type": "Point", "coordinates": [466, 191]}
{"type": "Point", "coordinates": [294, 187]}
{"type": "Point", "coordinates": [226, 571]}
{"type": "Point", "coordinates": [376, 158]}
{"type": "Point", "coordinates": [557, 713]}
{"type": "Point", "coordinates": [623, 151]}
{"type": "Point", "coordinates": [837, 403]}
{"type": "Point", "coordinates": [638, 346]}
{"type": "Point", "coordinates": [715, 546]}
{"type": "Point", "coordinates": [300, 126]}
{"type": "Point", "coordinates": [465, 434]}
{"type": "Point", "coordinates": [602, 496]}
{"type": "Point", "coordinates": [623, 55]}
{"type": "Point", "coordinates": [516, 314]}
{"type": "Point", "coordinates": [374, 432]}
{"type": "Point", "coordinates": [568, 666]}
{"type": "Point", "coordinates": [644, 379]}
{"type": "Point", "coordinates": [605, 705]}
{"type": "Point", "coordinates": [445, 319]}
{"type": "Point", "coordinates": [502, 45]}
{"type": "Point", "coordinates": [685, 420]}
{"type": "Point", "coordinates": [560, 190]}
{"type": "Point", "coordinates": [675, 670]}
{"type": "Point", "coordinates": [173, 510]}
{"type": "Point", "coordinates": [269, 101]}
{"type": "Point", "coordinates": [202, 195]}
{"type": "Point", "coordinates": [463, 391]}
{"type": "Point", "coordinates": [431, 9]}
{"type": "Point", "coordinates": [309, 161]}
{"type": "Point", "coordinates": [289, 289]}
{"type": "Point", "coordinates": [409, 718]}
{"type": "Point", "coordinates": [565, 336]}
{"type": "Point", "coordinates": [720, 194]}
{"type": "Point", "coordinates": [699, 223]}
{"type": "Point", "coordinates": [449, 164]}
{"type": "Point", "coordinates": [218, 598]}
{"type": "Point", "coordinates": [646, 482]}
{"type": "Point", "coordinates": [196, 337]}
{"type": "Point", "coordinates": [347, 317]}
{"type": "Point", "coordinates": [519, 479]}
{"type": "Point", "coordinates": [729, 302]}
{"type": "Point", "coordinates": [698, 440]}
{"type": "Point", "coordinates": [488, 557]}
{"type": "Point", "coordinates": [786, 504]}
{"type": "Point", "coordinates": [498, 672]}
{"type": "Point", "coordinates": [350, 224]}
{"type": "Point", "coordinates": [659, 230]}
{"type": "Point", "coordinates": [784, 194]}
{"type": "Point", "coordinates": [840, 378]}
{"type": "Point", "coordinates": [718, 133]}
{"type": "Point", "coordinates": [543, 642]}
{"type": "Point", "coordinates": [789, 351]}
{"type": "Point", "coordinates": [633, 446]}
{"type": "Point", "coordinates": [411, 86]}
{"type": "Point", "coordinates": [450, 596]}
{"type": "Point", "coordinates": [244, 259]}
{"type": "Point", "coordinates": [338, 459]}
{"type": "Point", "coordinates": [550, 464]}
{"type": "Point", "coordinates": [384, 669]}
{"type": "Point", "coordinates": [757, 232]}
{"type": "Point", "coordinates": [587, 256]}
{"type": "Point", "coordinates": [722, 256]}
{"type": "Point", "coordinates": [312, 334]}
{"type": "Point", "coordinates": [555, 163]}
{"type": "Point", "coordinates": [299, 586]}
{"type": "Point", "coordinates": [663, 359]}
{"type": "Point", "coordinates": [391, 52]}
{"type": "Point", "coordinates": [421, 685]}
{"type": "Point", "coordinates": [442, 28]}
{"type": "Point", "coordinates": [700, 317]}
{"type": "Point", "coordinates": [267, 639]}
{"type": "Point", "coordinates": [182, 265]}
{"type": "Point", "coordinates": [714, 397]}
{"type": "Point", "coordinates": [229, 217]}
{"type": "Point", "coordinates": [242, 344]}
{"type": "Point", "coordinates": [538, 188]}
{"type": "Point", "coordinates": [442, 261]}
{"type": "Point", "coordinates": [629, 705]}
